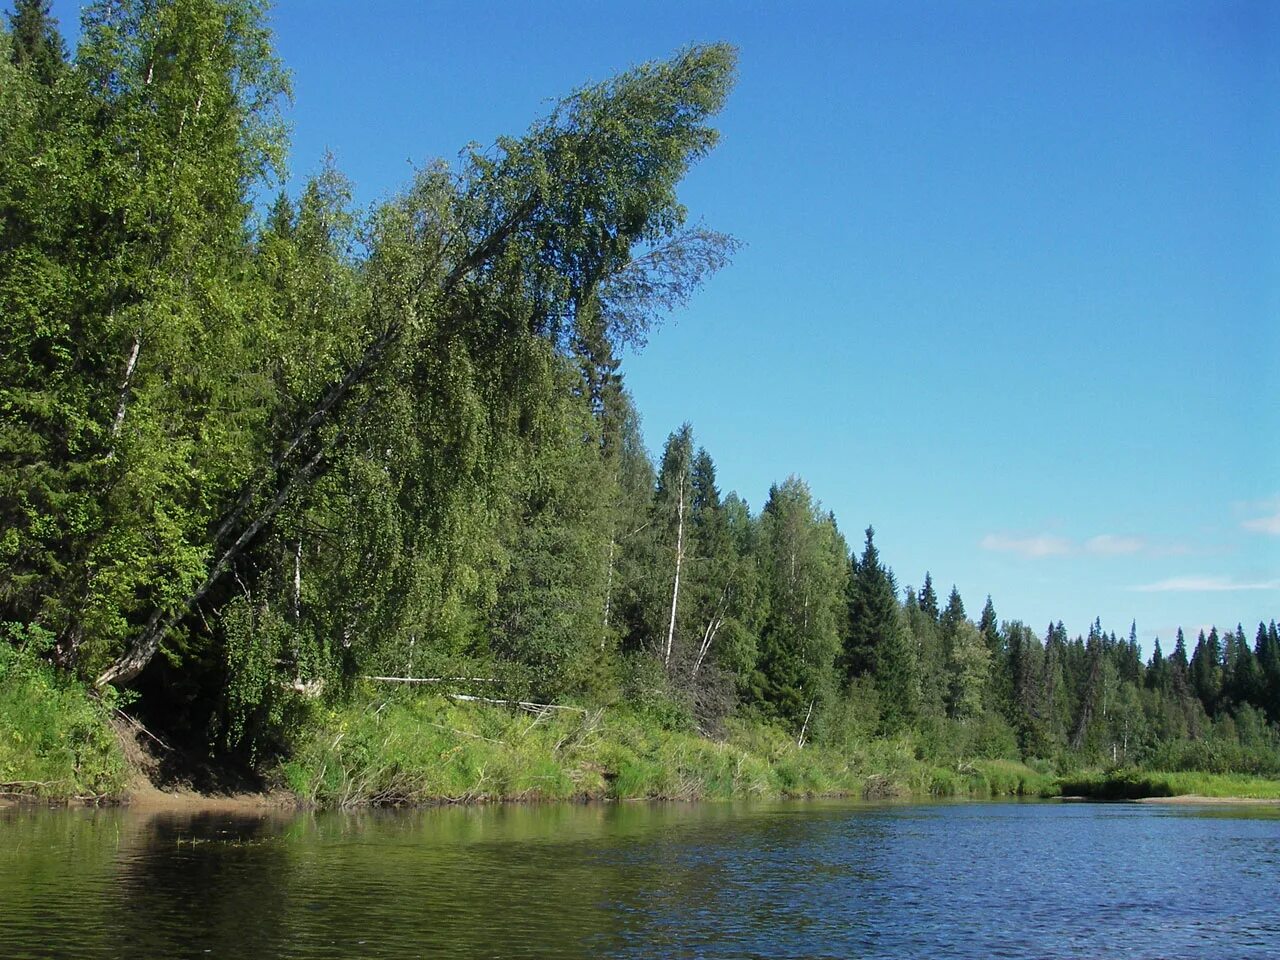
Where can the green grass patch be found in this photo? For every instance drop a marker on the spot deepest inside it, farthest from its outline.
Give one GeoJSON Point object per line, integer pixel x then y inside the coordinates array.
{"type": "Point", "coordinates": [409, 748]}
{"type": "Point", "coordinates": [1141, 784]}
{"type": "Point", "coordinates": [56, 741]}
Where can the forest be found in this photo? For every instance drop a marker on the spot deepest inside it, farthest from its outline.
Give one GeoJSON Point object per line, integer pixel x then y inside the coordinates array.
{"type": "Point", "coordinates": [259, 450]}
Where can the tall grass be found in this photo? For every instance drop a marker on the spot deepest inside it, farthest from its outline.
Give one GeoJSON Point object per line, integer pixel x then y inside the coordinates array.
{"type": "Point", "coordinates": [56, 741]}
{"type": "Point", "coordinates": [414, 748]}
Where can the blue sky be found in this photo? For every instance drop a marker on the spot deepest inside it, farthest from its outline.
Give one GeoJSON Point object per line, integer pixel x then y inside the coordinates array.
{"type": "Point", "coordinates": [1010, 288]}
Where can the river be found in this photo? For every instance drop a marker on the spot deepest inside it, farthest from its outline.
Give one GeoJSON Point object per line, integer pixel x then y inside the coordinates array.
{"type": "Point", "coordinates": [798, 879]}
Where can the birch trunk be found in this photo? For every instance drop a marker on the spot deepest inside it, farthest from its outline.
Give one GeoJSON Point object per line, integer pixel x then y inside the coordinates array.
{"type": "Point", "coordinates": [608, 592]}
{"type": "Point", "coordinates": [126, 384]}
{"type": "Point", "coordinates": [804, 729]}
{"type": "Point", "coordinates": [675, 587]}
{"type": "Point", "coordinates": [297, 582]}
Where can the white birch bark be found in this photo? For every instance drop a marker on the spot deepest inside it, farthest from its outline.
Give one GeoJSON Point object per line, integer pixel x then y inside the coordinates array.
{"type": "Point", "coordinates": [125, 384]}
{"type": "Point", "coordinates": [675, 587]}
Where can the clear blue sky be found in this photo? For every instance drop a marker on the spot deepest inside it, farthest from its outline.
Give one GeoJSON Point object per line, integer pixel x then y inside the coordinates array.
{"type": "Point", "coordinates": [1010, 288]}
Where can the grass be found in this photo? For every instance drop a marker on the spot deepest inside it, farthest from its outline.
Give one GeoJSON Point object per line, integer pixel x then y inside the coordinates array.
{"type": "Point", "coordinates": [56, 742]}
{"type": "Point", "coordinates": [421, 748]}
{"type": "Point", "coordinates": [1140, 784]}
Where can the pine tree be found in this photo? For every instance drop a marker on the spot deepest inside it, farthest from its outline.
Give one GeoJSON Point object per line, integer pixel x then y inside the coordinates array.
{"type": "Point", "coordinates": [1178, 659]}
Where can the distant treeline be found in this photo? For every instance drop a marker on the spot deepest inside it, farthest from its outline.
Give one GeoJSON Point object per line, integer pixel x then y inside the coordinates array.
{"type": "Point", "coordinates": [251, 454]}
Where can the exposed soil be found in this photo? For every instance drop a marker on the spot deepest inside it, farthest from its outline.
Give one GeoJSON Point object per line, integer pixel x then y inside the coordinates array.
{"type": "Point", "coordinates": [163, 777]}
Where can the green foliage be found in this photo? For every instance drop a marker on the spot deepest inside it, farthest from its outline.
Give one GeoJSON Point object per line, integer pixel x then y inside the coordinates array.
{"type": "Point", "coordinates": [804, 573]}
{"type": "Point", "coordinates": [879, 640]}
{"type": "Point", "coordinates": [969, 666]}
{"type": "Point", "coordinates": [1136, 785]}
{"type": "Point", "coordinates": [55, 740]}
{"type": "Point", "coordinates": [288, 449]}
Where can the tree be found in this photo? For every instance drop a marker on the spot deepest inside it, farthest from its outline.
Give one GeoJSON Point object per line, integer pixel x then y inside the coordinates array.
{"type": "Point", "coordinates": [929, 598]}
{"type": "Point", "coordinates": [1267, 653]}
{"type": "Point", "coordinates": [1157, 672]}
{"type": "Point", "coordinates": [1242, 681]}
{"type": "Point", "coordinates": [544, 622]}
{"type": "Point", "coordinates": [804, 568]}
{"type": "Point", "coordinates": [953, 616]}
{"type": "Point", "coordinates": [518, 249]}
{"type": "Point", "coordinates": [36, 46]}
{"type": "Point", "coordinates": [165, 125]}
{"type": "Point", "coordinates": [969, 663]}
{"type": "Point", "coordinates": [672, 507]}
{"type": "Point", "coordinates": [878, 640]}
{"type": "Point", "coordinates": [989, 627]}
{"type": "Point", "coordinates": [1206, 670]}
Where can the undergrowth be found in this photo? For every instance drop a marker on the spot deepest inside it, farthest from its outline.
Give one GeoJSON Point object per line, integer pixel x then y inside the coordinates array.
{"type": "Point", "coordinates": [56, 741]}
{"type": "Point", "coordinates": [413, 748]}
{"type": "Point", "coordinates": [1139, 784]}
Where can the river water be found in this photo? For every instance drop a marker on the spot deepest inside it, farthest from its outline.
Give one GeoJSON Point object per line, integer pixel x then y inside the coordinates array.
{"type": "Point", "coordinates": [800, 879]}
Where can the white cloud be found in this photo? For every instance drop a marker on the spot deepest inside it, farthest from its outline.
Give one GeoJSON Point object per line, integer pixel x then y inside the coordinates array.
{"type": "Point", "coordinates": [1111, 545]}
{"type": "Point", "coordinates": [1042, 545]}
{"type": "Point", "coordinates": [1202, 584]}
{"type": "Point", "coordinates": [1269, 524]}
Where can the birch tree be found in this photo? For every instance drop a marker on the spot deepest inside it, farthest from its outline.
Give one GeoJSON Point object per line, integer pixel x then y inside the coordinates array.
{"type": "Point", "coordinates": [492, 259]}
{"type": "Point", "coordinates": [804, 569]}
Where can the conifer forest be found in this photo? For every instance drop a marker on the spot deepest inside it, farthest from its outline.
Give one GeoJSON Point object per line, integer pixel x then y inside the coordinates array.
{"type": "Point", "coordinates": [272, 461]}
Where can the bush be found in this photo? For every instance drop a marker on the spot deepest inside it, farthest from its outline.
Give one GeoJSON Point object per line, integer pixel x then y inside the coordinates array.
{"type": "Point", "coordinates": [1214, 756]}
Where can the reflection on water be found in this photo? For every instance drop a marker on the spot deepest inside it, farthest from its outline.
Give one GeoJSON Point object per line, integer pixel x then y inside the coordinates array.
{"type": "Point", "coordinates": [637, 880]}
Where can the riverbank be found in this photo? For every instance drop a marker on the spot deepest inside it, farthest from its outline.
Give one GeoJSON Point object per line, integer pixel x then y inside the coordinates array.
{"type": "Point", "coordinates": [57, 743]}
{"type": "Point", "coordinates": [1183, 787]}
{"type": "Point", "coordinates": [423, 749]}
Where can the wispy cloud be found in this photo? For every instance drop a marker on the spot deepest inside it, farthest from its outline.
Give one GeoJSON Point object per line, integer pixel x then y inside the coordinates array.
{"type": "Point", "coordinates": [1269, 524]}
{"type": "Point", "coordinates": [1103, 545]}
{"type": "Point", "coordinates": [1259, 516]}
{"type": "Point", "coordinates": [1108, 544]}
{"type": "Point", "coordinates": [1205, 584]}
{"type": "Point", "coordinates": [1042, 545]}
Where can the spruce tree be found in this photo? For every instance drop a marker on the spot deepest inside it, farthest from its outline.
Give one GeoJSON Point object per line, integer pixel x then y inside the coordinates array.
{"type": "Point", "coordinates": [989, 627]}
{"type": "Point", "coordinates": [953, 616]}
{"type": "Point", "coordinates": [878, 641]}
{"type": "Point", "coordinates": [1206, 670]}
{"type": "Point", "coordinates": [35, 45]}
{"type": "Point", "coordinates": [929, 598]}
{"type": "Point", "coordinates": [1156, 673]}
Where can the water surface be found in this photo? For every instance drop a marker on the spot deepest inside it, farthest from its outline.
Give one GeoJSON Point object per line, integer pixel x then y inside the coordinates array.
{"type": "Point", "coordinates": [815, 879]}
